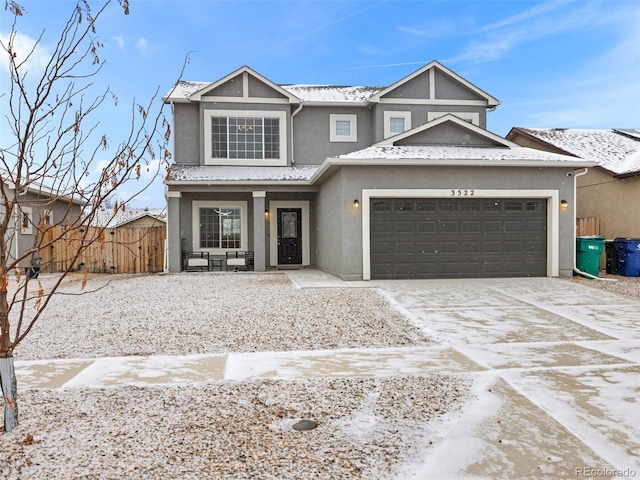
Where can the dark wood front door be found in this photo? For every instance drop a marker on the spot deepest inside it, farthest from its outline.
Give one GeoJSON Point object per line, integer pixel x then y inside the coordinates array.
{"type": "Point", "coordinates": [289, 236]}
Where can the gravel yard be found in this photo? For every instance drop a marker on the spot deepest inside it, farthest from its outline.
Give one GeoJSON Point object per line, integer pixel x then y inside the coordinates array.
{"type": "Point", "coordinates": [366, 427]}
{"type": "Point", "coordinates": [210, 313]}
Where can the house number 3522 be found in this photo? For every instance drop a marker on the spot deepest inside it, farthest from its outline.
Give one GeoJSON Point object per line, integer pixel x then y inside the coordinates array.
{"type": "Point", "coordinates": [462, 193]}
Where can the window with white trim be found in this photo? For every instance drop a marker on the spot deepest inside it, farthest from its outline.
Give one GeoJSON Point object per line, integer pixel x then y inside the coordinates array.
{"type": "Point", "coordinates": [219, 226]}
{"type": "Point", "coordinates": [396, 122]}
{"type": "Point", "coordinates": [245, 138]}
{"type": "Point", "coordinates": [471, 117]}
{"type": "Point", "coordinates": [343, 128]}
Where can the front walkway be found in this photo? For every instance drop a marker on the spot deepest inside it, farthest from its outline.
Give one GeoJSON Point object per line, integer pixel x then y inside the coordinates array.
{"type": "Point", "coordinates": [556, 367]}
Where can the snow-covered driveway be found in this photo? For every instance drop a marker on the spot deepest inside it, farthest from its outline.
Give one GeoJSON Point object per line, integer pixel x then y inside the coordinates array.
{"type": "Point", "coordinates": [558, 370]}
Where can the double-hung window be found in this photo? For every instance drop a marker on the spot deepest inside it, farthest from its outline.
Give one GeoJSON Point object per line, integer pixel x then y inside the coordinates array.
{"type": "Point", "coordinates": [245, 138]}
{"type": "Point", "coordinates": [219, 226]}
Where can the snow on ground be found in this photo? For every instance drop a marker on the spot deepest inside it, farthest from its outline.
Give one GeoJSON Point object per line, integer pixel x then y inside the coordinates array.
{"type": "Point", "coordinates": [534, 401]}
{"type": "Point", "coordinates": [367, 427]}
{"type": "Point", "coordinates": [210, 313]}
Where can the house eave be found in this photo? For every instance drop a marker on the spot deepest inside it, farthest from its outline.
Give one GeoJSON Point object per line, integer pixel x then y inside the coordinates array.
{"type": "Point", "coordinates": [331, 163]}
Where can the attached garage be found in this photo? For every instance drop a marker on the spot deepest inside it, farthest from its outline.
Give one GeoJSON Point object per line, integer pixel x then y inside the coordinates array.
{"type": "Point", "coordinates": [458, 237]}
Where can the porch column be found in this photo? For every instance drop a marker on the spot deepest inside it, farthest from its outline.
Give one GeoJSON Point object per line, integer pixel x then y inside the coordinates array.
{"type": "Point", "coordinates": [173, 262]}
{"type": "Point", "coordinates": [259, 231]}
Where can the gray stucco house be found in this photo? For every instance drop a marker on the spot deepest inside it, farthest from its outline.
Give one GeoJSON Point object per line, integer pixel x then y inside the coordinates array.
{"type": "Point", "coordinates": [402, 181]}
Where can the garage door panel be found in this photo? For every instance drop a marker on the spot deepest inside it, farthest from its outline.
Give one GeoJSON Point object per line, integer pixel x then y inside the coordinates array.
{"type": "Point", "coordinates": [426, 227]}
{"type": "Point", "coordinates": [453, 238]}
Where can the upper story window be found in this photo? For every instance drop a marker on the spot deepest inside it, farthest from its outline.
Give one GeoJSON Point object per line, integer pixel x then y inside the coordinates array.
{"type": "Point", "coordinates": [245, 138]}
{"type": "Point", "coordinates": [343, 128]}
{"type": "Point", "coordinates": [396, 122]}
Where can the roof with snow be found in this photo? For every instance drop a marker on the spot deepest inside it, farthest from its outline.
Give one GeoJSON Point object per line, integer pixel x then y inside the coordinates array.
{"type": "Point", "coordinates": [439, 153]}
{"type": "Point", "coordinates": [332, 93]}
{"type": "Point", "coordinates": [197, 173]}
{"type": "Point", "coordinates": [616, 150]}
{"type": "Point", "coordinates": [110, 219]}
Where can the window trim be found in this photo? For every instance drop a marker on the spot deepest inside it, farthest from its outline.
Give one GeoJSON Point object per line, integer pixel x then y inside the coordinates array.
{"type": "Point", "coordinates": [26, 213]}
{"type": "Point", "coordinates": [281, 115]}
{"type": "Point", "coordinates": [473, 117]}
{"type": "Point", "coordinates": [196, 205]}
{"type": "Point", "coordinates": [389, 114]}
{"type": "Point", "coordinates": [343, 117]}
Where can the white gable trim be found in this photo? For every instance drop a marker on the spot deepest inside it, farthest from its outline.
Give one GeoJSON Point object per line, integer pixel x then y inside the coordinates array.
{"type": "Point", "coordinates": [245, 72]}
{"type": "Point", "coordinates": [448, 118]}
{"type": "Point", "coordinates": [490, 100]}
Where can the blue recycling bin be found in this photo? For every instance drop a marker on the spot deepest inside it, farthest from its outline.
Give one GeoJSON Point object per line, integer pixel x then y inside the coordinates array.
{"type": "Point", "coordinates": [628, 256]}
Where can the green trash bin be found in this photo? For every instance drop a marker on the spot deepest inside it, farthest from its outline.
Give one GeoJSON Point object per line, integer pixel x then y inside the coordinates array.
{"type": "Point", "coordinates": [588, 251]}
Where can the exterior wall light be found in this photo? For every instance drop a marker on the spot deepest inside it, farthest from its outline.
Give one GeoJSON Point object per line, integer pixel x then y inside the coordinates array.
{"type": "Point", "coordinates": [356, 203]}
{"type": "Point", "coordinates": [564, 204]}
{"type": "Point", "coordinates": [266, 213]}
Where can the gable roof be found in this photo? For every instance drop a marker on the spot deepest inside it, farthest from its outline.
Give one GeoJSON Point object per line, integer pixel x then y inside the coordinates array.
{"type": "Point", "coordinates": [109, 219]}
{"type": "Point", "coordinates": [616, 151]}
{"type": "Point", "coordinates": [193, 91]}
{"type": "Point", "coordinates": [434, 65]}
{"type": "Point", "coordinates": [452, 119]}
{"type": "Point", "coordinates": [186, 91]}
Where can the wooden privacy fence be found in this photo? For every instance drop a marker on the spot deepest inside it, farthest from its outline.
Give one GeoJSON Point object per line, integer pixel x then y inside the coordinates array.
{"type": "Point", "coordinates": [119, 250]}
{"type": "Point", "coordinates": [589, 226]}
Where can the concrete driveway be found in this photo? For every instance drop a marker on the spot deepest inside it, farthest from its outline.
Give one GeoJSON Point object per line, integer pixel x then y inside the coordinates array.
{"type": "Point", "coordinates": [557, 368]}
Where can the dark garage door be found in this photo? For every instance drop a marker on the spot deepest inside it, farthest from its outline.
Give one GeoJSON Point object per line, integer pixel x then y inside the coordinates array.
{"type": "Point", "coordinates": [458, 237]}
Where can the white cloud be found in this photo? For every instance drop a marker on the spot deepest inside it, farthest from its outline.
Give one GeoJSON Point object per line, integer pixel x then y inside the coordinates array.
{"type": "Point", "coordinates": [120, 41]}
{"type": "Point", "coordinates": [142, 45]}
{"type": "Point", "coordinates": [536, 11]}
{"type": "Point", "coordinates": [24, 46]}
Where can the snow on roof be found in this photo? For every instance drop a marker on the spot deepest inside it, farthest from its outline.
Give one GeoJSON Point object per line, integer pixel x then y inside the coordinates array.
{"type": "Point", "coordinates": [443, 152]}
{"type": "Point", "coordinates": [332, 93]}
{"type": "Point", "coordinates": [613, 151]}
{"type": "Point", "coordinates": [307, 93]}
{"type": "Point", "coordinates": [183, 90]}
{"type": "Point", "coordinates": [206, 173]}
{"type": "Point", "coordinates": [110, 219]}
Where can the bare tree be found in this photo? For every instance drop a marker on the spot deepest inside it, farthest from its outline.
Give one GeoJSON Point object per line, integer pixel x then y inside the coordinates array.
{"type": "Point", "coordinates": [48, 167]}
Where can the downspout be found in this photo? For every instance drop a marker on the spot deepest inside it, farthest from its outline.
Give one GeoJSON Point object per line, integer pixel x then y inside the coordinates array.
{"type": "Point", "coordinates": [575, 219]}
{"type": "Point", "coordinates": [293, 161]}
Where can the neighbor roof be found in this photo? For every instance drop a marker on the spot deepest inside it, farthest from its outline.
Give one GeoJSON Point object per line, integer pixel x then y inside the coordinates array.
{"type": "Point", "coordinates": [110, 219]}
{"type": "Point", "coordinates": [616, 150]}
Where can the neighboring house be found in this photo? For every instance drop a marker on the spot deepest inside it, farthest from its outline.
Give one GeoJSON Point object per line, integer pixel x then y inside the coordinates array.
{"type": "Point", "coordinates": [402, 181]}
{"type": "Point", "coordinates": [37, 208]}
{"type": "Point", "coordinates": [131, 218]}
{"type": "Point", "coordinates": [611, 190]}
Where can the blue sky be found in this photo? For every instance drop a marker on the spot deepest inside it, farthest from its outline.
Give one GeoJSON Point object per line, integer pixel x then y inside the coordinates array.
{"type": "Point", "coordinates": [552, 63]}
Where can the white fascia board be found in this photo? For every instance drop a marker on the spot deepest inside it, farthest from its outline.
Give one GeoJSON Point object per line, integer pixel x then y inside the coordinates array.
{"type": "Point", "coordinates": [466, 162]}
{"type": "Point", "coordinates": [207, 183]}
{"type": "Point", "coordinates": [244, 71]}
{"type": "Point", "coordinates": [491, 101]}
{"type": "Point", "coordinates": [448, 118]}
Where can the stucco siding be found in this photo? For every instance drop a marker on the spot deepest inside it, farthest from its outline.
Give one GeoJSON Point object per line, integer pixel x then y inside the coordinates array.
{"type": "Point", "coordinates": [336, 202]}
{"type": "Point", "coordinates": [311, 128]}
{"type": "Point", "coordinates": [186, 134]}
{"type": "Point", "coordinates": [616, 200]}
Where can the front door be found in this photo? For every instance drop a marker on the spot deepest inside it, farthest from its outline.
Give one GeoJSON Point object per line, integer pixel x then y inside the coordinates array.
{"type": "Point", "coordinates": [289, 236]}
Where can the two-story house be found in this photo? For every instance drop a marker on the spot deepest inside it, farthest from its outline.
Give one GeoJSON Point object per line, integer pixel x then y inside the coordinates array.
{"type": "Point", "coordinates": [402, 181]}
